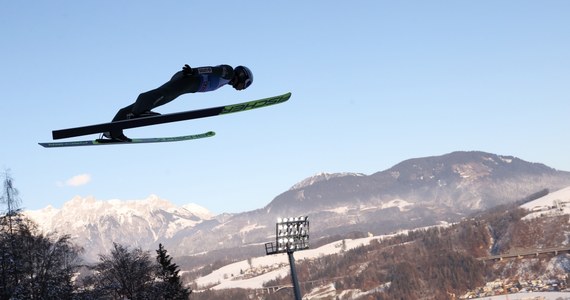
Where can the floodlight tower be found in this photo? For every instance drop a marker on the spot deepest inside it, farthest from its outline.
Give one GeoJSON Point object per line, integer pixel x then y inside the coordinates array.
{"type": "Point", "coordinates": [291, 234]}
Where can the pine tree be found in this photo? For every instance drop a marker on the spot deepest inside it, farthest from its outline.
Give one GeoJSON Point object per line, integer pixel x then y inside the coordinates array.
{"type": "Point", "coordinates": [170, 287]}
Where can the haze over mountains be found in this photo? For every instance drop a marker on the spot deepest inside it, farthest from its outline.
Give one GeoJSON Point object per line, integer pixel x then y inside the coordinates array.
{"type": "Point", "coordinates": [414, 193]}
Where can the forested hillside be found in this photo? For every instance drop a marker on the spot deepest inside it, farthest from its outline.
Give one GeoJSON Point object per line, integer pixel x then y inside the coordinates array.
{"type": "Point", "coordinates": [442, 262]}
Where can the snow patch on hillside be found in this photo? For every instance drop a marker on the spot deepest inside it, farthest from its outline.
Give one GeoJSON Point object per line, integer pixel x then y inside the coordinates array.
{"type": "Point", "coordinates": [402, 205]}
{"type": "Point", "coordinates": [557, 202]}
{"type": "Point", "coordinates": [251, 227]}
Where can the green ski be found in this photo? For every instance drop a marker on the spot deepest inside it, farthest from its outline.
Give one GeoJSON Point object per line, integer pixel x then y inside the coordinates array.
{"type": "Point", "coordinates": [103, 142]}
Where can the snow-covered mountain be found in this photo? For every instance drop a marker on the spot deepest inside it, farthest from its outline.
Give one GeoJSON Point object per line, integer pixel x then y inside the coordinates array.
{"type": "Point", "coordinates": [414, 193]}
{"type": "Point", "coordinates": [96, 224]}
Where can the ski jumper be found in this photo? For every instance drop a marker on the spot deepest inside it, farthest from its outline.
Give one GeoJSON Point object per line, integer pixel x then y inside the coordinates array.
{"type": "Point", "coordinates": [203, 79]}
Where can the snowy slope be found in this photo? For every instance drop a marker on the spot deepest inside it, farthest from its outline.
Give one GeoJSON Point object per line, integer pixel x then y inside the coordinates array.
{"type": "Point", "coordinates": [265, 268]}
{"type": "Point", "coordinates": [530, 296]}
{"type": "Point", "coordinates": [555, 202]}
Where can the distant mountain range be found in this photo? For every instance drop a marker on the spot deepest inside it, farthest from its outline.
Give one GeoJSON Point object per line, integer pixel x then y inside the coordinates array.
{"type": "Point", "coordinates": [416, 192]}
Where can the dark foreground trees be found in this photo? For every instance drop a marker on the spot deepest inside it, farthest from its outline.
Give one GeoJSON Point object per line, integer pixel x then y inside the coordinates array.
{"type": "Point", "coordinates": [132, 274]}
{"type": "Point", "coordinates": [168, 279]}
{"type": "Point", "coordinates": [33, 265]}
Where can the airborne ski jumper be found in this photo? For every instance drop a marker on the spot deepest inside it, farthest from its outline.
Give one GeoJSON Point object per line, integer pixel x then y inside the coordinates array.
{"type": "Point", "coordinates": [188, 80]}
{"type": "Point", "coordinates": [158, 119]}
{"type": "Point", "coordinates": [139, 114]}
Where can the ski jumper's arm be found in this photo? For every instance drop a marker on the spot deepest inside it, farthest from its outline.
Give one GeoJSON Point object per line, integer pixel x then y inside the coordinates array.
{"type": "Point", "coordinates": [210, 78]}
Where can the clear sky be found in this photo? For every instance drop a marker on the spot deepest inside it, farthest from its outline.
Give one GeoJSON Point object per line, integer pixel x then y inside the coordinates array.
{"type": "Point", "coordinates": [374, 83]}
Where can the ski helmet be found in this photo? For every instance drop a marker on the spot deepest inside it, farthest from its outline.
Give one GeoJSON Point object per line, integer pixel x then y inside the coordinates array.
{"type": "Point", "coordinates": [245, 76]}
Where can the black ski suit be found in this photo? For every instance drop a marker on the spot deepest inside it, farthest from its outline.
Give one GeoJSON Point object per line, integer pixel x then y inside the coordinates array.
{"type": "Point", "coordinates": [202, 79]}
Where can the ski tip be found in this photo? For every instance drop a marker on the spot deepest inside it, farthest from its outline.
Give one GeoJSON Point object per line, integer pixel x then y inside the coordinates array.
{"type": "Point", "coordinates": [286, 95]}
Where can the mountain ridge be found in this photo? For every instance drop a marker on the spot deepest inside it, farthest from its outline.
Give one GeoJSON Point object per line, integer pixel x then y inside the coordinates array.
{"type": "Point", "coordinates": [414, 193]}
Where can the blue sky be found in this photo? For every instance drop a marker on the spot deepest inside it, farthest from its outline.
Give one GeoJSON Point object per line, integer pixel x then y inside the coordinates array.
{"type": "Point", "coordinates": [374, 83]}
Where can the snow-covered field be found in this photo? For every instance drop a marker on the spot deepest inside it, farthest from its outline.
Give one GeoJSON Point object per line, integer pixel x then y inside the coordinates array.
{"type": "Point", "coordinates": [530, 296]}
{"type": "Point", "coordinates": [242, 274]}
{"type": "Point", "coordinates": [253, 273]}
{"type": "Point", "coordinates": [558, 201]}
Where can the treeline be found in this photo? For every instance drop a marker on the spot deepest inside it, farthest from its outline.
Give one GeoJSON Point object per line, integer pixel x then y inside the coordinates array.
{"type": "Point", "coordinates": [34, 265]}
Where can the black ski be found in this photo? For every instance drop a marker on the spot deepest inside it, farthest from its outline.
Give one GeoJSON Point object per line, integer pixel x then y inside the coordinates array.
{"type": "Point", "coordinates": [167, 118]}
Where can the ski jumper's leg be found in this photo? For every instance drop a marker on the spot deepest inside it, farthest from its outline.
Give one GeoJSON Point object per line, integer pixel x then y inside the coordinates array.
{"type": "Point", "coordinates": [148, 100]}
{"type": "Point", "coordinates": [176, 86]}
{"type": "Point", "coordinates": [145, 101]}
{"type": "Point", "coordinates": [122, 113]}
